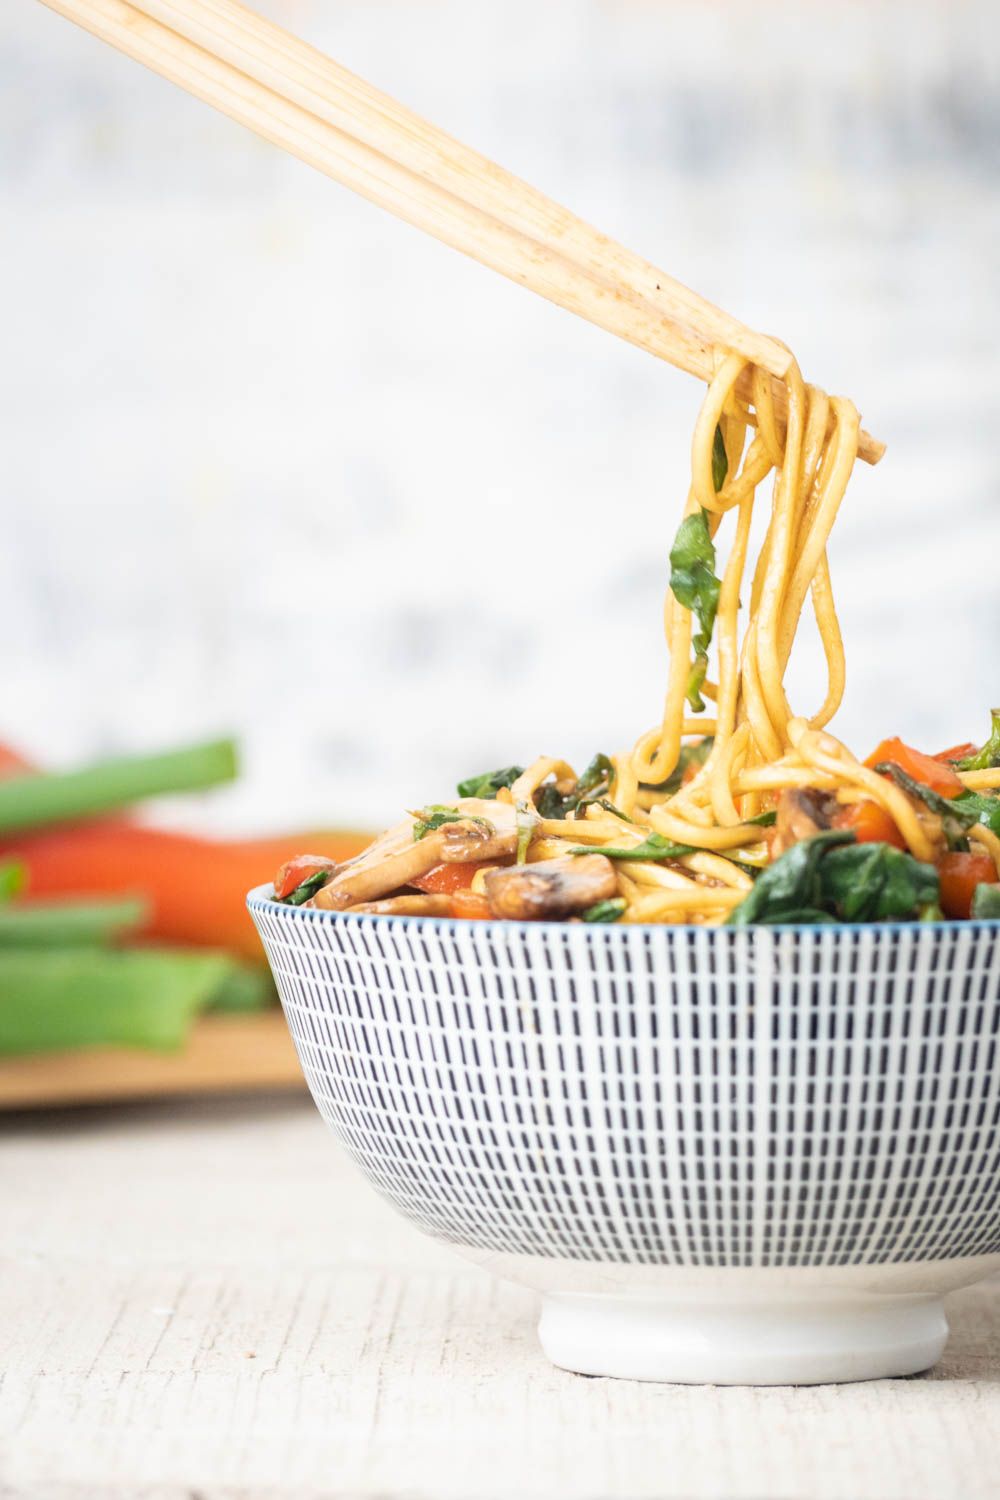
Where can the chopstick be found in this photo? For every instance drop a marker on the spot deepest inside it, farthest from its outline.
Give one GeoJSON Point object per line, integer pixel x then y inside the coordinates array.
{"type": "Point", "coordinates": [292, 95]}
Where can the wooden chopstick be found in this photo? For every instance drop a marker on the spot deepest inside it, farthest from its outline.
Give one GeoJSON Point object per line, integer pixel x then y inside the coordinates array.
{"type": "Point", "coordinates": [299, 99]}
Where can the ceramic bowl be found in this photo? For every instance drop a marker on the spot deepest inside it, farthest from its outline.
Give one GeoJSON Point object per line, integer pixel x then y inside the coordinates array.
{"type": "Point", "coordinates": [757, 1156]}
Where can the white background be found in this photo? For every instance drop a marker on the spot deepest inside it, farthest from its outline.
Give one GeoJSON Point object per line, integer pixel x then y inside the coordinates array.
{"type": "Point", "coordinates": [275, 463]}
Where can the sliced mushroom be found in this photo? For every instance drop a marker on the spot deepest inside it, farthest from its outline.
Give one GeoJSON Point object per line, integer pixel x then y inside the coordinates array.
{"type": "Point", "coordinates": [802, 813]}
{"type": "Point", "coordinates": [551, 888]}
{"type": "Point", "coordinates": [489, 832]}
{"type": "Point", "coordinates": [407, 906]}
{"type": "Point", "coordinates": [396, 858]}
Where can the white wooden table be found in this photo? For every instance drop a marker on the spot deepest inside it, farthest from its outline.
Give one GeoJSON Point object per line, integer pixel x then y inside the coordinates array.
{"type": "Point", "coordinates": [206, 1301]}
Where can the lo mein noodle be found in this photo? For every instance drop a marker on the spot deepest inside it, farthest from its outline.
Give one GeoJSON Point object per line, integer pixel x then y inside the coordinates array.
{"type": "Point", "coordinates": [739, 808]}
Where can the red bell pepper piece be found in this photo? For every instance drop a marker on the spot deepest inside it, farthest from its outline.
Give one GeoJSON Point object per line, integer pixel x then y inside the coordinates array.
{"type": "Point", "coordinates": [870, 824]}
{"type": "Point", "coordinates": [444, 879]}
{"type": "Point", "coordinates": [960, 874]}
{"type": "Point", "coordinates": [923, 768]}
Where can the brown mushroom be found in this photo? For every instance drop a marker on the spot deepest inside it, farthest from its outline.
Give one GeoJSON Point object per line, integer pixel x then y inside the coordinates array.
{"type": "Point", "coordinates": [393, 860]}
{"type": "Point", "coordinates": [551, 888]}
{"type": "Point", "coordinates": [802, 812]}
{"type": "Point", "coordinates": [485, 834]}
{"type": "Point", "coordinates": [397, 859]}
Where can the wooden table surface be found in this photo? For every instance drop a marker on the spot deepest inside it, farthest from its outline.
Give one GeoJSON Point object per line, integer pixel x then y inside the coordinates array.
{"type": "Point", "coordinates": [205, 1300]}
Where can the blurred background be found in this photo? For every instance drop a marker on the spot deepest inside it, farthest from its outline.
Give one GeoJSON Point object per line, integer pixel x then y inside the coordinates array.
{"type": "Point", "coordinates": [278, 465]}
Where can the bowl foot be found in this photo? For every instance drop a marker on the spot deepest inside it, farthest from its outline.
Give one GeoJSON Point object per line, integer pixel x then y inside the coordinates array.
{"type": "Point", "coordinates": [705, 1340]}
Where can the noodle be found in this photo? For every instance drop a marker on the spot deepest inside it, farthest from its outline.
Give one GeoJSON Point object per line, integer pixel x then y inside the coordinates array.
{"type": "Point", "coordinates": [759, 744]}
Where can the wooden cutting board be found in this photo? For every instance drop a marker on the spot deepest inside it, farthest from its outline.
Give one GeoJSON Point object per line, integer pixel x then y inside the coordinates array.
{"type": "Point", "coordinates": [223, 1055]}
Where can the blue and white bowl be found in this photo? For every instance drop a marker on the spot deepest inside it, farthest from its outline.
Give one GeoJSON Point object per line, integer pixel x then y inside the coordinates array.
{"type": "Point", "coordinates": [733, 1156]}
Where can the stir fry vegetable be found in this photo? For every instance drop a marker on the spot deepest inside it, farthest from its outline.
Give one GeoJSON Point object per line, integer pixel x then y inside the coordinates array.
{"type": "Point", "coordinates": [988, 757]}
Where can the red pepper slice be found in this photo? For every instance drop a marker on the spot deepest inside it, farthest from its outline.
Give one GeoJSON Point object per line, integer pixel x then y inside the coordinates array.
{"type": "Point", "coordinates": [960, 874]}
{"type": "Point", "coordinates": [870, 824]}
{"type": "Point", "coordinates": [957, 752]}
{"type": "Point", "coordinates": [294, 871]}
{"type": "Point", "coordinates": [444, 879]}
{"type": "Point", "coordinates": [923, 768]}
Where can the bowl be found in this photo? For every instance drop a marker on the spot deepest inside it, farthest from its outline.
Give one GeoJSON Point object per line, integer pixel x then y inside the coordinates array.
{"type": "Point", "coordinates": [754, 1156]}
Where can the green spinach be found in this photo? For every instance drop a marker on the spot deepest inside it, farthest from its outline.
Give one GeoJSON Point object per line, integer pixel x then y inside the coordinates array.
{"type": "Point", "coordinates": [435, 816]}
{"type": "Point", "coordinates": [763, 820]}
{"type": "Point", "coordinates": [986, 903]}
{"type": "Point", "coordinates": [988, 757]}
{"type": "Point", "coordinates": [593, 785]}
{"type": "Point", "coordinates": [653, 847]}
{"type": "Point", "coordinates": [720, 459]}
{"type": "Point", "coordinates": [302, 893]}
{"type": "Point", "coordinates": [695, 587]}
{"type": "Point", "coordinates": [877, 883]}
{"type": "Point", "coordinates": [830, 878]}
{"type": "Point", "coordinates": [487, 785]}
{"type": "Point", "coordinates": [605, 911]}
{"type": "Point", "coordinates": [985, 807]}
{"type": "Point", "coordinates": [956, 819]}
{"type": "Point", "coordinates": [790, 889]}
{"type": "Point", "coordinates": [610, 807]}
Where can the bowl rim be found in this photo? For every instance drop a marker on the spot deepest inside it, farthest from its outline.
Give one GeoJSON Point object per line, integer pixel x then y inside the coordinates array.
{"type": "Point", "coordinates": [261, 897]}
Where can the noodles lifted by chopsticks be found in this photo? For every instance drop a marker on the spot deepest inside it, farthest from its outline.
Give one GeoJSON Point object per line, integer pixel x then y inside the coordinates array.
{"type": "Point", "coordinates": [680, 828]}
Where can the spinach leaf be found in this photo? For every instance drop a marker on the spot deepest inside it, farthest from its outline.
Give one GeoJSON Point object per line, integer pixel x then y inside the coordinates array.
{"type": "Point", "coordinates": [487, 785]}
{"type": "Point", "coordinates": [831, 878]}
{"type": "Point", "coordinates": [653, 847]}
{"type": "Point", "coordinates": [593, 785]}
{"type": "Point", "coordinates": [955, 818]}
{"type": "Point", "coordinates": [695, 587]}
{"type": "Point", "coordinates": [989, 756]}
{"type": "Point", "coordinates": [986, 903]}
{"type": "Point", "coordinates": [610, 807]}
{"type": "Point", "coordinates": [790, 890]}
{"type": "Point", "coordinates": [876, 883]}
{"type": "Point", "coordinates": [434, 816]}
{"type": "Point", "coordinates": [549, 802]}
{"type": "Point", "coordinates": [691, 755]}
{"type": "Point", "coordinates": [802, 916]}
{"type": "Point", "coordinates": [605, 911]}
{"type": "Point", "coordinates": [720, 460]}
{"type": "Point", "coordinates": [596, 780]}
{"type": "Point", "coordinates": [986, 808]}
{"type": "Point", "coordinates": [944, 806]}
{"type": "Point", "coordinates": [302, 893]}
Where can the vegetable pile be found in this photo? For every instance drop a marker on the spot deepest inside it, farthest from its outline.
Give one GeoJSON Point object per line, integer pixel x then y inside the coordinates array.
{"type": "Point", "coordinates": [113, 933]}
